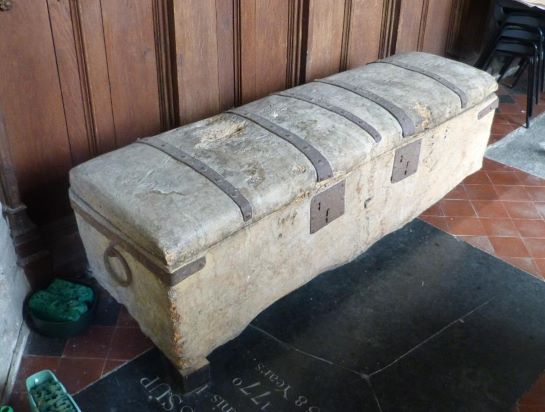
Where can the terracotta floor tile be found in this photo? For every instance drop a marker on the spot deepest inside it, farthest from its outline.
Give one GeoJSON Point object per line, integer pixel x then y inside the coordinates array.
{"type": "Point", "coordinates": [522, 210]}
{"type": "Point", "coordinates": [518, 120]}
{"type": "Point", "coordinates": [529, 180]}
{"type": "Point", "coordinates": [457, 208]}
{"type": "Point", "coordinates": [504, 118]}
{"type": "Point", "coordinates": [530, 228]}
{"type": "Point", "coordinates": [526, 264]}
{"type": "Point", "coordinates": [489, 164]}
{"type": "Point", "coordinates": [466, 226]}
{"type": "Point", "coordinates": [540, 206]}
{"type": "Point", "coordinates": [513, 108]}
{"type": "Point", "coordinates": [128, 343]}
{"type": "Point", "coordinates": [125, 319]}
{"type": "Point", "coordinates": [481, 192]}
{"type": "Point", "coordinates": [503, 177]}
{"type": "Point", "coordinates": [509, 246]}
{"type": "Point", "coordinates": [76, 374]}
{"type": "Point", "coordinates": [498, 227]}
{"type": "Point", "coordinates": [503, 128]}
{"type": "Point", "coordinates": [440, 222]}
{"type": "Point", "coordinates": [93, 344]}
{"type": "Point", "coordinates": [536, 247]}
{"type": "Point", "coordinates": [480, 242]}
{"type": "Point", "coordinates": [33, 364]}
{"type": "Point", "coordinates": [489, 208]}
{"type": "Point", "coordinates": [457, 193]}
{"type": "Point", "coordinates": [536, 395]}
{"type": "Point", "coordinates": [477, 178]}
{"type": "Point", "coordinates": [512, 193]}
{"type": "Point", "coordinates": [540, 264]}
{"type": "Point", "coordinates": [537, 193]}
{"type": "Point", "coordinates": [434, 210]}
{"type": "Point", "coordinates": [494, 138]}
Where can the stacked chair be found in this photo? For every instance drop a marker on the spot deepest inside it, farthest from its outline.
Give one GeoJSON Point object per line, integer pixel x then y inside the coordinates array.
{"type": "Point", "coordinates": [519, 38]}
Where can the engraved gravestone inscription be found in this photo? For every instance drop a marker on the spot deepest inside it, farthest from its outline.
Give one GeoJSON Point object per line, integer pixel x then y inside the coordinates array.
{"type": "Point", "coordinates": [252, 373]}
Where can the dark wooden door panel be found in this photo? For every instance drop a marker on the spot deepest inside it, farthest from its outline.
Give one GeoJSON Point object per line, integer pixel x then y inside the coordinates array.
{"type": "Point", "coordinates": [31, 100]}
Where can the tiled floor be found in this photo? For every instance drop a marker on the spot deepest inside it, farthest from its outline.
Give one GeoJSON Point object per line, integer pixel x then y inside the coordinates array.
{"type": "Point", "coordinates": [109, 343]}
{"type": "Point", "coordinates": [499, 209]}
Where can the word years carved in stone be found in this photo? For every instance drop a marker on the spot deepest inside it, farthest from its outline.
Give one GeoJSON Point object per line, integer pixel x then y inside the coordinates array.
{"type": "Point", "coordinates": [263, 397]}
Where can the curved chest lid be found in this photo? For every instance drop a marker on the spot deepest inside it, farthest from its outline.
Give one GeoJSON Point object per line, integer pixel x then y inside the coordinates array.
{"type": "Point", "coordinates": [180, 192]}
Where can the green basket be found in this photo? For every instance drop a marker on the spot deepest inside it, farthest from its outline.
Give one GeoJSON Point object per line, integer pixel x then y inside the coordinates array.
{"type": "Point", "coordinates": [65, 329]}
{"type": "Point", "coordinates": [47, 394]}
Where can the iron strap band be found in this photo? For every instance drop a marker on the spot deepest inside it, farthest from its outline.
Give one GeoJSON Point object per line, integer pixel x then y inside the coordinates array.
{"type": "Point", "coordinates": [489, 108]}
{"type": "Point", "coordinates": [335, 109]}
{"type": "Point", "coordinates": [448, 84]}
{"type": "Point", "coordinates": [408, 127]}
{"type": "Point", "coordinates": [201, 168]}
{"type": "Point", "coordinates": [320, 163]}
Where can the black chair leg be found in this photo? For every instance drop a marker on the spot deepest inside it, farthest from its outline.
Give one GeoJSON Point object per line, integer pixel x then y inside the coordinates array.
{"type": "Point", "coordinates": [530, 91]}
{"type": "Point", "coordinates": [537, 88]}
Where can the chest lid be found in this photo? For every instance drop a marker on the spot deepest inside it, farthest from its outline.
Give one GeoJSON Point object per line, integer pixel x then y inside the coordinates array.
{"type": "Point", "coordinates": [176, 194]}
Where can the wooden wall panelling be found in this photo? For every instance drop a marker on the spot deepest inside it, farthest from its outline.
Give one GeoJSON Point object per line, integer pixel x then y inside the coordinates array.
{"type": "Point", "coordinates": [297, 42]}
{"type": "Point", "coordinates": [66, 30]}
{"type": "Point", "coordinates": [363, 31]}
{"type": "Point", "coordinates": [132, 66]}
{"type": "Point", "coordinates": [411, 25]}
{"type": "Point", "coordinates": [163, 23]}
{"type": "Point", "coordinates": [325, 35]}
{"type": "Point", "coordinates": [246, 43]}
{"type": "Point", "coordinates": [96, 64]}
{"type": "Point", "coordinates": [197, 59]}
{"type": "Point", "coordinates": [253, 49]}
{"type": "Point", "coordinates": [228, 52]}
{"type": "Point", "coordinates": [455, 25]}
{"type": "Point", "coordinates": [264, 47]}
{"type": "Point", "coordinates": [31, 100]}
{"type": "Point", "coordinates": [471, 27]}
{"type": "Point", "coordinates": [438, 23]}
{"type": "Point", "coordinates": [389, 27]}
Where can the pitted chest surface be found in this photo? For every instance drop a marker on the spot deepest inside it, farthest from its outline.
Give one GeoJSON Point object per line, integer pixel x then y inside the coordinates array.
{"type": "Point", "coordinates": [174, 212]}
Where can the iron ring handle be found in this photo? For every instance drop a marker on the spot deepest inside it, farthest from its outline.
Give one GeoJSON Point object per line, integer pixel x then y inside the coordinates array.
{"type": "Point", "coordinates": [110, 253]}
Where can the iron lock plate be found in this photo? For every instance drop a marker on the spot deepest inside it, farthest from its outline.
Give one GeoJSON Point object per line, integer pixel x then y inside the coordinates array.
{"type": "Point", "coordinates": [327, 206]}
{"type": "Point", "coordinates": [406, 161]}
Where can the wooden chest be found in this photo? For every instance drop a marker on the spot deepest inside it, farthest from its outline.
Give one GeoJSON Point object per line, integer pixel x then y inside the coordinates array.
{"type": "Point", "coordinates": [199, 229]}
